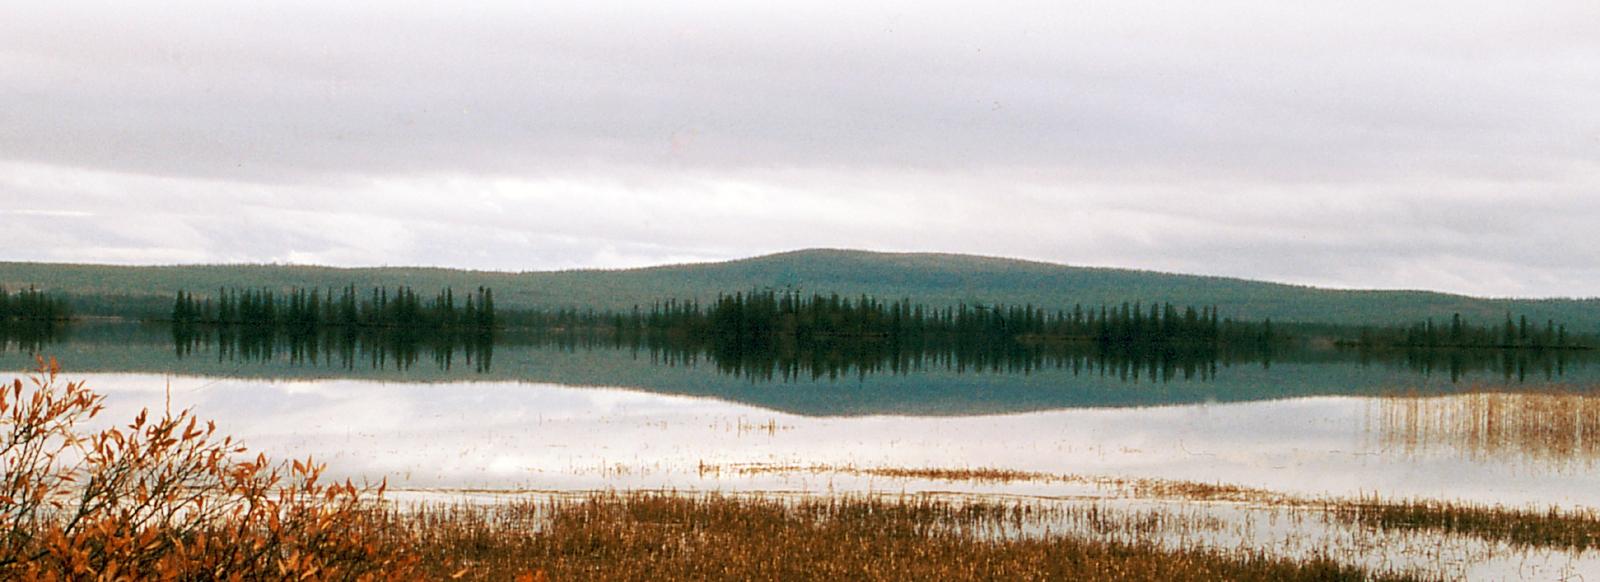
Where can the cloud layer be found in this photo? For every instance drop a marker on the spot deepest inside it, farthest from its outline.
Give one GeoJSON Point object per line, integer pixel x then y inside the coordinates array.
{"type": "Point", "coordinates": [1448, 145]}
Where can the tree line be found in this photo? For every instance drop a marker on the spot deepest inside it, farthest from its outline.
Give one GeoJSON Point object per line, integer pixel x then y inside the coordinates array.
{"type": "Point", "coordinates": [311, 309]}
{"type": "Point", "coordinates": [1513, 333]}
{"type": "Point", "coordinates": [763, 316]}
{"type": "Point", "coordinates": [32, 305]}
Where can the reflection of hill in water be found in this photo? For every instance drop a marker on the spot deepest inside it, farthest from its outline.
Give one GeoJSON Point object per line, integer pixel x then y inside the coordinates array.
{"type": "Point", "coordinates": [838, 379]}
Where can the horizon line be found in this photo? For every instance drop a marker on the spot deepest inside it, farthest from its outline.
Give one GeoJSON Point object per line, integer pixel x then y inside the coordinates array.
{"type": "Point", "coordinates": [799, 251]}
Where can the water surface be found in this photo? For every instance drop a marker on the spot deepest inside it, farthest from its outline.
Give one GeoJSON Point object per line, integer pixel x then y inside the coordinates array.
{"type": "Point", "coordinates": [1505, 428]}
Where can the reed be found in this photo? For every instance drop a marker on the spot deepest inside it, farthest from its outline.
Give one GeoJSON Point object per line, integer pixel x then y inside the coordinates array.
{"type": "Point", "coordinates": [662, 536]}
{"type": "Point", "coordinates": [1576, 530]}
{"type": "Point", "coordinates": [1124, 486]}
{"type": "Point", "coordinates": [168, 497]}
{"type": "Point", "coordinates": [1553, 426]}
{"type": "Point", "coordinates": [1548, 527]}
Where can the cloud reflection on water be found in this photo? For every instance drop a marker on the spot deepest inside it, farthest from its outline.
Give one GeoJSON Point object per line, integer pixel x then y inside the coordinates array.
{"type": "Point", "coordinates": [502, 435]}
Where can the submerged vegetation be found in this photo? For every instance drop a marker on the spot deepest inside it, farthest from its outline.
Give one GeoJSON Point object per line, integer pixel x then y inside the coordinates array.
{"type": "Point", "coordinates": [1126, 487]}
{"type": "Point", "coordinates": [1569, 530]}
{"type": "Point", "coordinates": [1551, 528]}
{"type": "Point", "coordinates": [1553, 426]}
{"type": "Point", "coordinates": [169, 497]}
{"type": "Point", "coordinates": [652, 536]}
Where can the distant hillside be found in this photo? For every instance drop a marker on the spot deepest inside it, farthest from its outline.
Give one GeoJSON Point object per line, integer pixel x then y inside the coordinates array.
{"type": "Point", "coordinates": [935, 279]}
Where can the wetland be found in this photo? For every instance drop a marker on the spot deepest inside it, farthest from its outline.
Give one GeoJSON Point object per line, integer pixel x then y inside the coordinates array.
{"type": "Point", "coordinates": [1433, 464]}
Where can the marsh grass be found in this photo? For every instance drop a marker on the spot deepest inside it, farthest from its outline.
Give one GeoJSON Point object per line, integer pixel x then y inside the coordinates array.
{"type": "Point", "coordinates": [169, 497]}
{"type": "Point", "coordinates": [1553, 426]}
{"type": "Point", "coordinates": [1573, 530]}
{"type": "Point", "coordinates": [663, 536]}
{"type": "Point", "coordinates": [1121, 486]}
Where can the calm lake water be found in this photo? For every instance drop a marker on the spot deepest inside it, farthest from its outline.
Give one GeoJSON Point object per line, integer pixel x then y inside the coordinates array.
{"type": "Point", "coordinates": [542, 415]}
{"type": "Point", "coordinates": [478, 421]}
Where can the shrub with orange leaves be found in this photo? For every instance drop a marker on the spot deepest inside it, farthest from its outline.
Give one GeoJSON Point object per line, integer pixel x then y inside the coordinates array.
{"type": "Point", "coordinates": [167, 497]}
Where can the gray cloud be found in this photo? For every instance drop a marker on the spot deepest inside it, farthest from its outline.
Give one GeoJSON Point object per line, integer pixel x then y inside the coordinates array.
{"type": "Point", "coordinates": [1450, 145]}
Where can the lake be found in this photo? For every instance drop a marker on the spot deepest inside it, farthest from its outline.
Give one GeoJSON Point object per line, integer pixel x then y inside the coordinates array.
{"type": "Point", "coordinates": [531, 413]}
{"type": "Point", "coordinates": [551, 415]}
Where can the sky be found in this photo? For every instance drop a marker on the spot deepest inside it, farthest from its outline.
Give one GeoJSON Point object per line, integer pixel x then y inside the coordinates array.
{"type": "Point", "coordinates": [1428, 144]}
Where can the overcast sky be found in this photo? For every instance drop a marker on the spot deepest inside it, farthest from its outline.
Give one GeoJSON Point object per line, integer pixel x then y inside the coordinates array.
{"type": "Point", "coordinates": [1451, 145]}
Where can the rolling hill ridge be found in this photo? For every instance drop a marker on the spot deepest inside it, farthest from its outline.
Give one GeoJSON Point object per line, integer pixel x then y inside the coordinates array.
{"type": "Point", "coordinates": [933, 279]}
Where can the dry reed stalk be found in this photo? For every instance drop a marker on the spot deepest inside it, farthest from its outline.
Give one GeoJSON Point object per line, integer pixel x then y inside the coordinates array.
{"type": "Point", "coordinates": [1552, 427]}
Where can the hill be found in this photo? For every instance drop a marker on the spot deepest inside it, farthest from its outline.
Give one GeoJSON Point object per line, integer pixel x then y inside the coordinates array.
{"type": "Point", "coordinates": [934, 279]}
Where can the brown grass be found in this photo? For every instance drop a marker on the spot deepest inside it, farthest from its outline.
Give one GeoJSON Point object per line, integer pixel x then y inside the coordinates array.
{"type": "Point", "coordinates": [167, 497]}
{"type": "Point", "coordinates": [1551, 427]}
{"type": "Point", "coordinates": [1123, 486]}
{"type": "Point", "coordinates": [1575, 530]}
{"type": "Point", "coordinates": [1570, 529]}
{"type": "Point", "coordinates": [657, 536]}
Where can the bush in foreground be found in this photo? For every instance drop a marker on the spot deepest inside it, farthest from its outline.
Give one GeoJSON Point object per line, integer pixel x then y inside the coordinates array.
{"type": "Point", "coordinates": [165, 498]}
{"type": "Point", "coordinates": [169, 498]}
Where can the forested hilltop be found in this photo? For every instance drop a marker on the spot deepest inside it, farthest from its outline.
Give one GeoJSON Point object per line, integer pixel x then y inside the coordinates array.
{"type": "Point", "coordinates": [930, 279]}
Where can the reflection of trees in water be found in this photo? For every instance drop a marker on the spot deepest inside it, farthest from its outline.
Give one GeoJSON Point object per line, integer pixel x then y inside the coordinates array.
{"type": "Point", "coordinates": [30, 336]}
{"type": "Point", "coordinates": [776, 360]}
{"type": "Point", "coordinates": [844, 358]}
{"type": "Point", "coordinates": [1508, 364]}
{"type": "Point", "coordinates": [349, 349]}
{"type": "Point", "coordinates": [1550, 427]}
{"type": "Point", "coordinates": [833, 358]}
